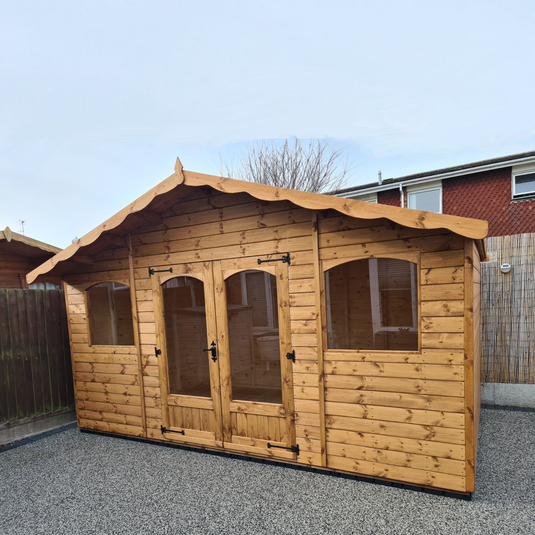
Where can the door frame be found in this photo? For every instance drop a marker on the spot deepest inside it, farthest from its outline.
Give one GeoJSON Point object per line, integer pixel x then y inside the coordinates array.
{"type": "Point", "coordinates": [222, 271]}
{"type": "Point", "coordinates": [214, 274]}
{"type": "Point", "coordinates": [202, 271]}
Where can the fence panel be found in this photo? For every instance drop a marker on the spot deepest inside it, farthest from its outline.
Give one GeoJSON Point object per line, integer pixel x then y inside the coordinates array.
{"type": "Point", "coordinates": [507, 310]}
{"type": "Point", "coordinates": [35, 361]}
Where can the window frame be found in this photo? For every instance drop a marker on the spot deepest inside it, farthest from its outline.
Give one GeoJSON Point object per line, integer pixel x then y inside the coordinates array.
{"type": "Point", "coordinates": [518, 173]}
{"type": "Point", "coordinates": [87, 286]}
{"type": "Point", "coordinates": [326, 265]}
{"type": "Point", "coordinates": [422, 188]}
{"type": "Point", "coordinates": [366, 197]}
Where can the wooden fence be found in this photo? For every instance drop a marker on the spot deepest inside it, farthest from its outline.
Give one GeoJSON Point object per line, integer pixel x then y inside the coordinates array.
{"type": "Point", "coordinates": [35, 362]}
{"type": "Point", "coordinates": [507, 311]}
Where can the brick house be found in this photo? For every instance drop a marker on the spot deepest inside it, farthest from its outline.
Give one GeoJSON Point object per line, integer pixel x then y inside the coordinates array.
{"type": "Point", "coordinates": [502, 192]}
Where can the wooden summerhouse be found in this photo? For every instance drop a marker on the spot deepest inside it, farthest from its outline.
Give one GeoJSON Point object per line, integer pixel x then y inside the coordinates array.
{"type": "Point", "coordinates": [268, 322]}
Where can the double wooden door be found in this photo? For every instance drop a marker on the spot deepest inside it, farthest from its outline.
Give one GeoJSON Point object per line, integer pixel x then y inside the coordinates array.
{"type": "Point", "coordinates": [223, 336]}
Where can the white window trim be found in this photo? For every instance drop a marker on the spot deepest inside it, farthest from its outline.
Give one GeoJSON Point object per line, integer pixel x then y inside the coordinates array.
{"type": "Point", "coordinates": [420, 188]}
{"type": "Point", "coordinates": [366, 197]}
{"type": "Point", "coordinates": [521, 170]}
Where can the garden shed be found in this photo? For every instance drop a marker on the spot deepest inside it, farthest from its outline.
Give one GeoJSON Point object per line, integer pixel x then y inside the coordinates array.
{"type": "Point", "coordinates": [267, 322]}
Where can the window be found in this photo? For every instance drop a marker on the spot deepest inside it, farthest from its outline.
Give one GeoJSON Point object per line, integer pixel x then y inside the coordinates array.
{"type": "Point", "coordinates": [372, 304]}
{"type": "Point", "coordinates": [367, 197]}
{"type": "Point", "coordinates": [426, 197]}
{"type": "Point", "coordinates": [44, 286]}
{"type": "Point", "coordinates": [110, 314]}
{"type": "Point", "coordinates": [185, 335]}
{"type": "Point", "coordinates": [524, 184]}
{"type": "Point", "coordinates": [253, 325]}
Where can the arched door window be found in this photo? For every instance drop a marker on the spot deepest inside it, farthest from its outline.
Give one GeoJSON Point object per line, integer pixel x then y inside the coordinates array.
{"type": "Point", "coordinates": [372, 304]}
{"type": "Point", "coordinates": [110, 314]}
{"type": "Point", "coordinates": [185, 336]}
{"type": "Point", "coordinates": [254, 341]}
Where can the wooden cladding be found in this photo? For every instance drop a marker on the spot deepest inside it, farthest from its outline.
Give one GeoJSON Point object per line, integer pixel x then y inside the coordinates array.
{"type": "Point", "coordinates": [392, 411]}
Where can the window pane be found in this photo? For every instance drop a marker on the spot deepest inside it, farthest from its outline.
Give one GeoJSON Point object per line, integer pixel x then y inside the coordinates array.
{"type": "Point", "coordinates": [37, 286]}
{"type": "Point", "coordinates": [186, 337]}
{"type": "Point", "coordinates": [110, 314]}
{"type": "Point", "coordinates": [254, 337]}
{"type": "Point", "coordinates": [429, 201]}
{"type": "Point", "coordinates": [371, 304]}
{"type": "Point", "coordinates": [524, 184]}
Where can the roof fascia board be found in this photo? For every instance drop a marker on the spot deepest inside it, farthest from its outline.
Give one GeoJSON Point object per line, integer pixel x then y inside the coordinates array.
{"type": "Point", "coordinates": [9, 235]}
{"type": "Point", "coordinates": [441, 176]}
{"type": "Point", "coordinates": [469, 228]}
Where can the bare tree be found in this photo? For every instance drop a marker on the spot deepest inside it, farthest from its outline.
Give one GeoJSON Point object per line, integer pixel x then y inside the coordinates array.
{"type": "Point", "coordinates": [317, 167]}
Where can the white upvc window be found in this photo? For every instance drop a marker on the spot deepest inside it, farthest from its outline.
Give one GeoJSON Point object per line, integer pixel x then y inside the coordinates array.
{"type": "Point", "coordinates": [367, 197]}
{"type": "Point", "coordinates": [426, 197]}
{"type": "Point", "coordinates": [523, 183]}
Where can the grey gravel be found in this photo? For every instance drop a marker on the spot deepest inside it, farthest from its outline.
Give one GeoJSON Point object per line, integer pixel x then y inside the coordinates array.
{"type": "Point", "coordinates": [75, 482]}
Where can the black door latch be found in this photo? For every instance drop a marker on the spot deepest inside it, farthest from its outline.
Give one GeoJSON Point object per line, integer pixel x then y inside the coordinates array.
{"type": "Point", "coordinates": [213, 351]}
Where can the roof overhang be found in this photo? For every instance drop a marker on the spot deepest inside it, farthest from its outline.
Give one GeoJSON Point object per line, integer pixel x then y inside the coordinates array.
{"type": "Point", "coordinates": [27, 246]}
{"type": "Point", "coordinates": [182, 182]}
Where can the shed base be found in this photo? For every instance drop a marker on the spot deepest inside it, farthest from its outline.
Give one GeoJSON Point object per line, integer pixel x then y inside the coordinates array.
{"type": "Point", "coordinates": [467, 496]}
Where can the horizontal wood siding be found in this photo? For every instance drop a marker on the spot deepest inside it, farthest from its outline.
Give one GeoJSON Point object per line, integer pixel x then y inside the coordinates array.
{"type": "Point", "coordinates": [14, 267]}
{"type": "Point", "coordinates": [393, 414]}
{"type": "Point", "coordinates": [106, 378]}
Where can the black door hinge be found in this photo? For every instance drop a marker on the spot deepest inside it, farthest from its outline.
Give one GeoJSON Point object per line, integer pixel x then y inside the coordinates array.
{"type": "Point", "coordinates": [293, 449]}
{"type": "Point", "coordinates": [165, 430]}
{"type": "Point", "coordinates": [157, 352]}
{"type": "Point", "coordinates": [291, 356]}
{"type": "Point", "coordinates": [152, 271]}
{"type": "Point", "coordinates": [285, 259]}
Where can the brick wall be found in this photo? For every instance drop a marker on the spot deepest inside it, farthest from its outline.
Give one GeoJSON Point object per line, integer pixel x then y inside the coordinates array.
{"type": "Point", "coordinates": [390, 197]}
{"type": "Point", "coordinates": [487, 196]}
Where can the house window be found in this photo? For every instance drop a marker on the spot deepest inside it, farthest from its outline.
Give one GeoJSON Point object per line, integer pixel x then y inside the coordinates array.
{"type": "Point", "coordinates": [110, 314]}
{"type": "Point", "coordinates": [368, 197]}
{"type": "Point", "coordinates": [427, 197]}
{"type": "Point", "coordinates": [372, 305]}
{"type": "Point", "coordinates": [523, 184]}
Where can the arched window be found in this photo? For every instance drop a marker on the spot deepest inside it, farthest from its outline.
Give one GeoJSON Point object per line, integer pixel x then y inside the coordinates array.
{"type": "Point", "coordinates": [372, 305]}
{"type": "Point", "coordinates": [110, 314]}
{"type": "Point", "coordinates": [185, 335]}
{"type": "Point", "coordinates": [254, 340]}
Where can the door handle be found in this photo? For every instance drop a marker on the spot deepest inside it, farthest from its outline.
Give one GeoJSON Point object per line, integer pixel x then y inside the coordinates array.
{"type": "Point", "coordinates": [212, 350]}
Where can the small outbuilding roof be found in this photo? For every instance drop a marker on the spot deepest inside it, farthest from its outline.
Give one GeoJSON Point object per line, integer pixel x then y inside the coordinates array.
{"type": "Point", "coordinates": [13, 243]}
{"type": "Point", "coordinates": [181, 183]}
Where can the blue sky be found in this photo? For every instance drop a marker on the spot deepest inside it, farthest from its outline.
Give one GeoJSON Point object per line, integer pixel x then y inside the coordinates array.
{"type": "Point", "coordinates": [98, 98]}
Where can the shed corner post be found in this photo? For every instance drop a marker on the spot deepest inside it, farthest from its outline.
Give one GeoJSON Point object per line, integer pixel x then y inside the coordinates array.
{"type": "Point", "coordinates": [319, 292]}
{"type": "Point", "coordinates": [135, 319]}
{"type": "Point", "coordinates": [64, 287]}
{"type": "Point", "coordinates": [470, 441]}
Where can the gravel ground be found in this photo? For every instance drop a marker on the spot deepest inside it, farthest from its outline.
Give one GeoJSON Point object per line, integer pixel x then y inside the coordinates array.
{"type": "Point", "coordinates": [74, 482]}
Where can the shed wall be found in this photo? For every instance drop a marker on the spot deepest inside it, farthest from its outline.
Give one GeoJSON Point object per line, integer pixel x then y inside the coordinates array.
{"type": "Point", "coordinates": [106, 378]}
{"type": "Point", "coordinates": [400, 415]}
{"type": "Point", "coordinates": [13, 269]}
{"type": "Point", "coordinates": [395, 415]}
